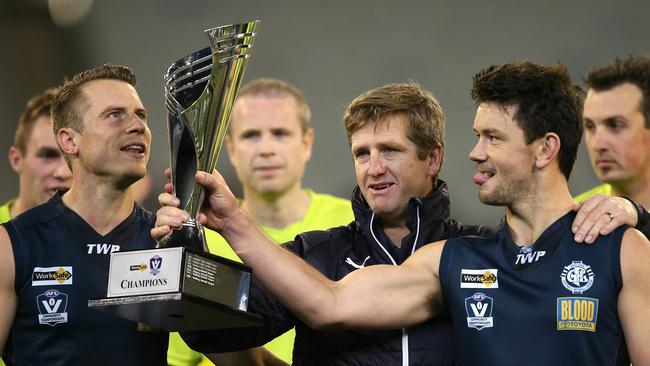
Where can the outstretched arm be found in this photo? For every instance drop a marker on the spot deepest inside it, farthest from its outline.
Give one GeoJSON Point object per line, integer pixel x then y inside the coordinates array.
{"type": "Point", "coordinates": [635, 295]}
{"type": "Point", "coordinates": [7, 291]}
{"type": "Point", "coordinates": [374, 297]}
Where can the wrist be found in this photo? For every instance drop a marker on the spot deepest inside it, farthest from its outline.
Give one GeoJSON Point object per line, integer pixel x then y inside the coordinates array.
{"type": "Point", "coordinates": [643, 217]}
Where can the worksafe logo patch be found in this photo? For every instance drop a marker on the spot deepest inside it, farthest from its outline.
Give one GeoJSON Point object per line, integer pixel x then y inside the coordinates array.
{"type": "Point", "coordinates": [52, 276]}
{"type": "Point", "coordinates": [479, 278]}
{"type": "Point", "coordinates": [52, 307]}
{"type": "Point", "coordinates": [479, 311]}
{"type": "Point", "coordinates": [577, 313]}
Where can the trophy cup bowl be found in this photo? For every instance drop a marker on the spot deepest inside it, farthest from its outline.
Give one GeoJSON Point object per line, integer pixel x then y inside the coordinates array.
{"type": "Point", "coordinates": [179, 286]}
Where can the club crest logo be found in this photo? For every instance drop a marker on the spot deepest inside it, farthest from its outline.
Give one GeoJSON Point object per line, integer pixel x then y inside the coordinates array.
{"type": "Point", "coordinates": [577, 277]}
{"type": "Point", "coordinates": [52, 306]}
{"type": "Point", "coordinates": [479, 311]}
{"type": "Point", "coordinates": [155, 264]}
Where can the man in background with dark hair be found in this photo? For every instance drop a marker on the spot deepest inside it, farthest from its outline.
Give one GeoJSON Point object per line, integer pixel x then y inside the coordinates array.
{"type": "Point", "coordinates": [36, 158]}
{"type": "Point", "coordinates": [616, 121]}
{"type": "Point", "coordinates": [528, 294]}
{"type": "Point", "coordinates": [55, 257]}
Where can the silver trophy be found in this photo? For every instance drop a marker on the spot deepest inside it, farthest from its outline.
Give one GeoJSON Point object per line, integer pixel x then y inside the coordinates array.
{"type": "Point", "coordinates": [180, 286]}
{"type": "Point", "coordinates": [200, 90]}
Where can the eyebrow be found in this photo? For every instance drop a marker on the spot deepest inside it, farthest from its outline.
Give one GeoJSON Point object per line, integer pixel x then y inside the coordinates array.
{"type": "Point", "coordinates": [121, 109]}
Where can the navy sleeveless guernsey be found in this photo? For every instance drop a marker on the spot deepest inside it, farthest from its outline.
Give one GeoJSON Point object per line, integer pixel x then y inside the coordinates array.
{"type": "Point", "coordinates": [551, 304]}
{"type": "Point", "coordinates": [61, 263]}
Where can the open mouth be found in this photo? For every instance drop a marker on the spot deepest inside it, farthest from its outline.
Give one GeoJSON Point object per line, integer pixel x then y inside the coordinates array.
{"type": "Point", "coordinates": [380, 187]}
{"type": "Point", "coordinates": [134, 149]}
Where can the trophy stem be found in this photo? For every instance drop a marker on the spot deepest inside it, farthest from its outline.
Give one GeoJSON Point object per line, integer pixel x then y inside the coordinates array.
{"type": "Point", "coordinates": [190, 235]}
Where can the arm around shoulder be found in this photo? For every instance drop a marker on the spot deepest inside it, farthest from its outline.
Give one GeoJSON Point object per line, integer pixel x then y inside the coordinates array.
{"type": "Point", "coordinates": [635, 295]}
{"type": "Point", "coordinates": [7, 290]}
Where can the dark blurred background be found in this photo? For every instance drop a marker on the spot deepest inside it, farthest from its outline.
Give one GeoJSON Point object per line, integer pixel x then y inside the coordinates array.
{"type": "Point", "coordinates": [333, 51]}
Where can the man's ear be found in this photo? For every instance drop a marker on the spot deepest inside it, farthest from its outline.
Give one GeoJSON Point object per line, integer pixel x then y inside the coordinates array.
{"type": "Point", "coordinates": [546, 149]}
{"type": "Point", "coordinates": [229, 147]}
{"type": "Point", "coordinates": [15, 159]}
{"type": "Point", "coordinates": [308, 142]}
{"type": "Point", "coordinates": [435, 157]}
{"type": "Point", "coordinates": [66, 138]}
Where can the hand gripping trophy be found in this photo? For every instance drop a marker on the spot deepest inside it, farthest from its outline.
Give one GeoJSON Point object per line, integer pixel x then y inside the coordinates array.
{"type": "Point", "coordinates": [179, 286]}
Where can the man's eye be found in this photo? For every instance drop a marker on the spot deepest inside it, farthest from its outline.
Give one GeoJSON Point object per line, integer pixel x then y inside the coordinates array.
{"type": "Point", "coordinates": [250, 135]}
{"type": "Point", "coordinates": [115, 114]}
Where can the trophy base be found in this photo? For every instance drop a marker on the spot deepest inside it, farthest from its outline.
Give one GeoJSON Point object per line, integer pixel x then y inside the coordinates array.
{"type": "Point", "coordinates": [178, 289]}
{"type": "Point", "coordinates": [176, 312]}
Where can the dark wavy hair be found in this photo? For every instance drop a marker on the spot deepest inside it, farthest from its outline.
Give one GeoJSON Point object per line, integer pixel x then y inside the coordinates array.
{"type": "Point", "coordinates": [545, 98]}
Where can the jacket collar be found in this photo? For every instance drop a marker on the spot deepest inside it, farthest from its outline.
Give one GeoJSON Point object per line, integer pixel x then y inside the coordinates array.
{"type": "Point", "coordinates": [433, 212]}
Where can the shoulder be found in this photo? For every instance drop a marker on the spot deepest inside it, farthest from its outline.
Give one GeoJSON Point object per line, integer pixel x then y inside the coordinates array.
{"type": "Point", "coordinates": [635, 252]}
{"type": "Point", "coordinates": [36, 215]}
{"type": "Point", "coordinates": [144, 215]}
{"type": "Point", "coordinates": [332, 240]}
{"type": "Point", "coordinates": [605, 189]}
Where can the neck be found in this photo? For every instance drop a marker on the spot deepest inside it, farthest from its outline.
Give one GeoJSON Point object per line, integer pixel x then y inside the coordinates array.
{"type": "Point", "coordinates": [99, 203]}
{"type": "Point", "coordinates": [530, 217]}
{"type": "Point", "coordinates": [277, 211]}
{"type": "Point", "coordinates": [638, 190]}
{"type": "Point", "coordinates": [395, 229]}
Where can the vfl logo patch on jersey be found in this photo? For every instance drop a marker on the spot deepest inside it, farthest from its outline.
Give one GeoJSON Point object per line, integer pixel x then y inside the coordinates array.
{"type": "Point", "coordinates": [52, 276]}
{"type": "Point", "coordinates": [479, 278]}
{"type": "Point", "coordinates": [577, 277]}
{"type": "Point", "coordinates": [52, 306]}
{"type": "Point", "coordinates": [155, 263]}
{"type": "Point", "coordinates": [577, 313]}
{"type": "Point", "coordinates": [479, 311]}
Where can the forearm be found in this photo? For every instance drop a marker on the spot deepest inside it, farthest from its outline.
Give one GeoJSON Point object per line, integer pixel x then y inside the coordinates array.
{"type": "Point", "coordinates": [282, 273]}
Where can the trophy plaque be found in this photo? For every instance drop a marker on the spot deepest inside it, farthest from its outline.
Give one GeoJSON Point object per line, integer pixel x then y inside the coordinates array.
{"type": "Point", "coordinates": [179, 286]}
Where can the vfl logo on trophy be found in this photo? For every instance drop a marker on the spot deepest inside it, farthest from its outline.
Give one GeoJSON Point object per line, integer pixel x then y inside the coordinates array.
{"type": "Point", "coordinates": [155, 263]}
{"type": "Point", "coordinates": [52, 306]}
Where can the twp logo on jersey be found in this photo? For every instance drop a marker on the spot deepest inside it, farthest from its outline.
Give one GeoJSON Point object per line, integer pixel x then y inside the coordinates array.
{"type": "Point", "coordinates": [49, 276]}
{"type": "Point", "coordinates": [94, 248]}
{"type": "Point", "coordinates": [52, 306]}
{"type": "Point", "coordinates": [528, 255]}
{"type": "Point", "coordinates": [479, 278]}
{"type": "Point", "coordinates": [479, 311]}
{"type": "Point", "coordinates": [577, 313]}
